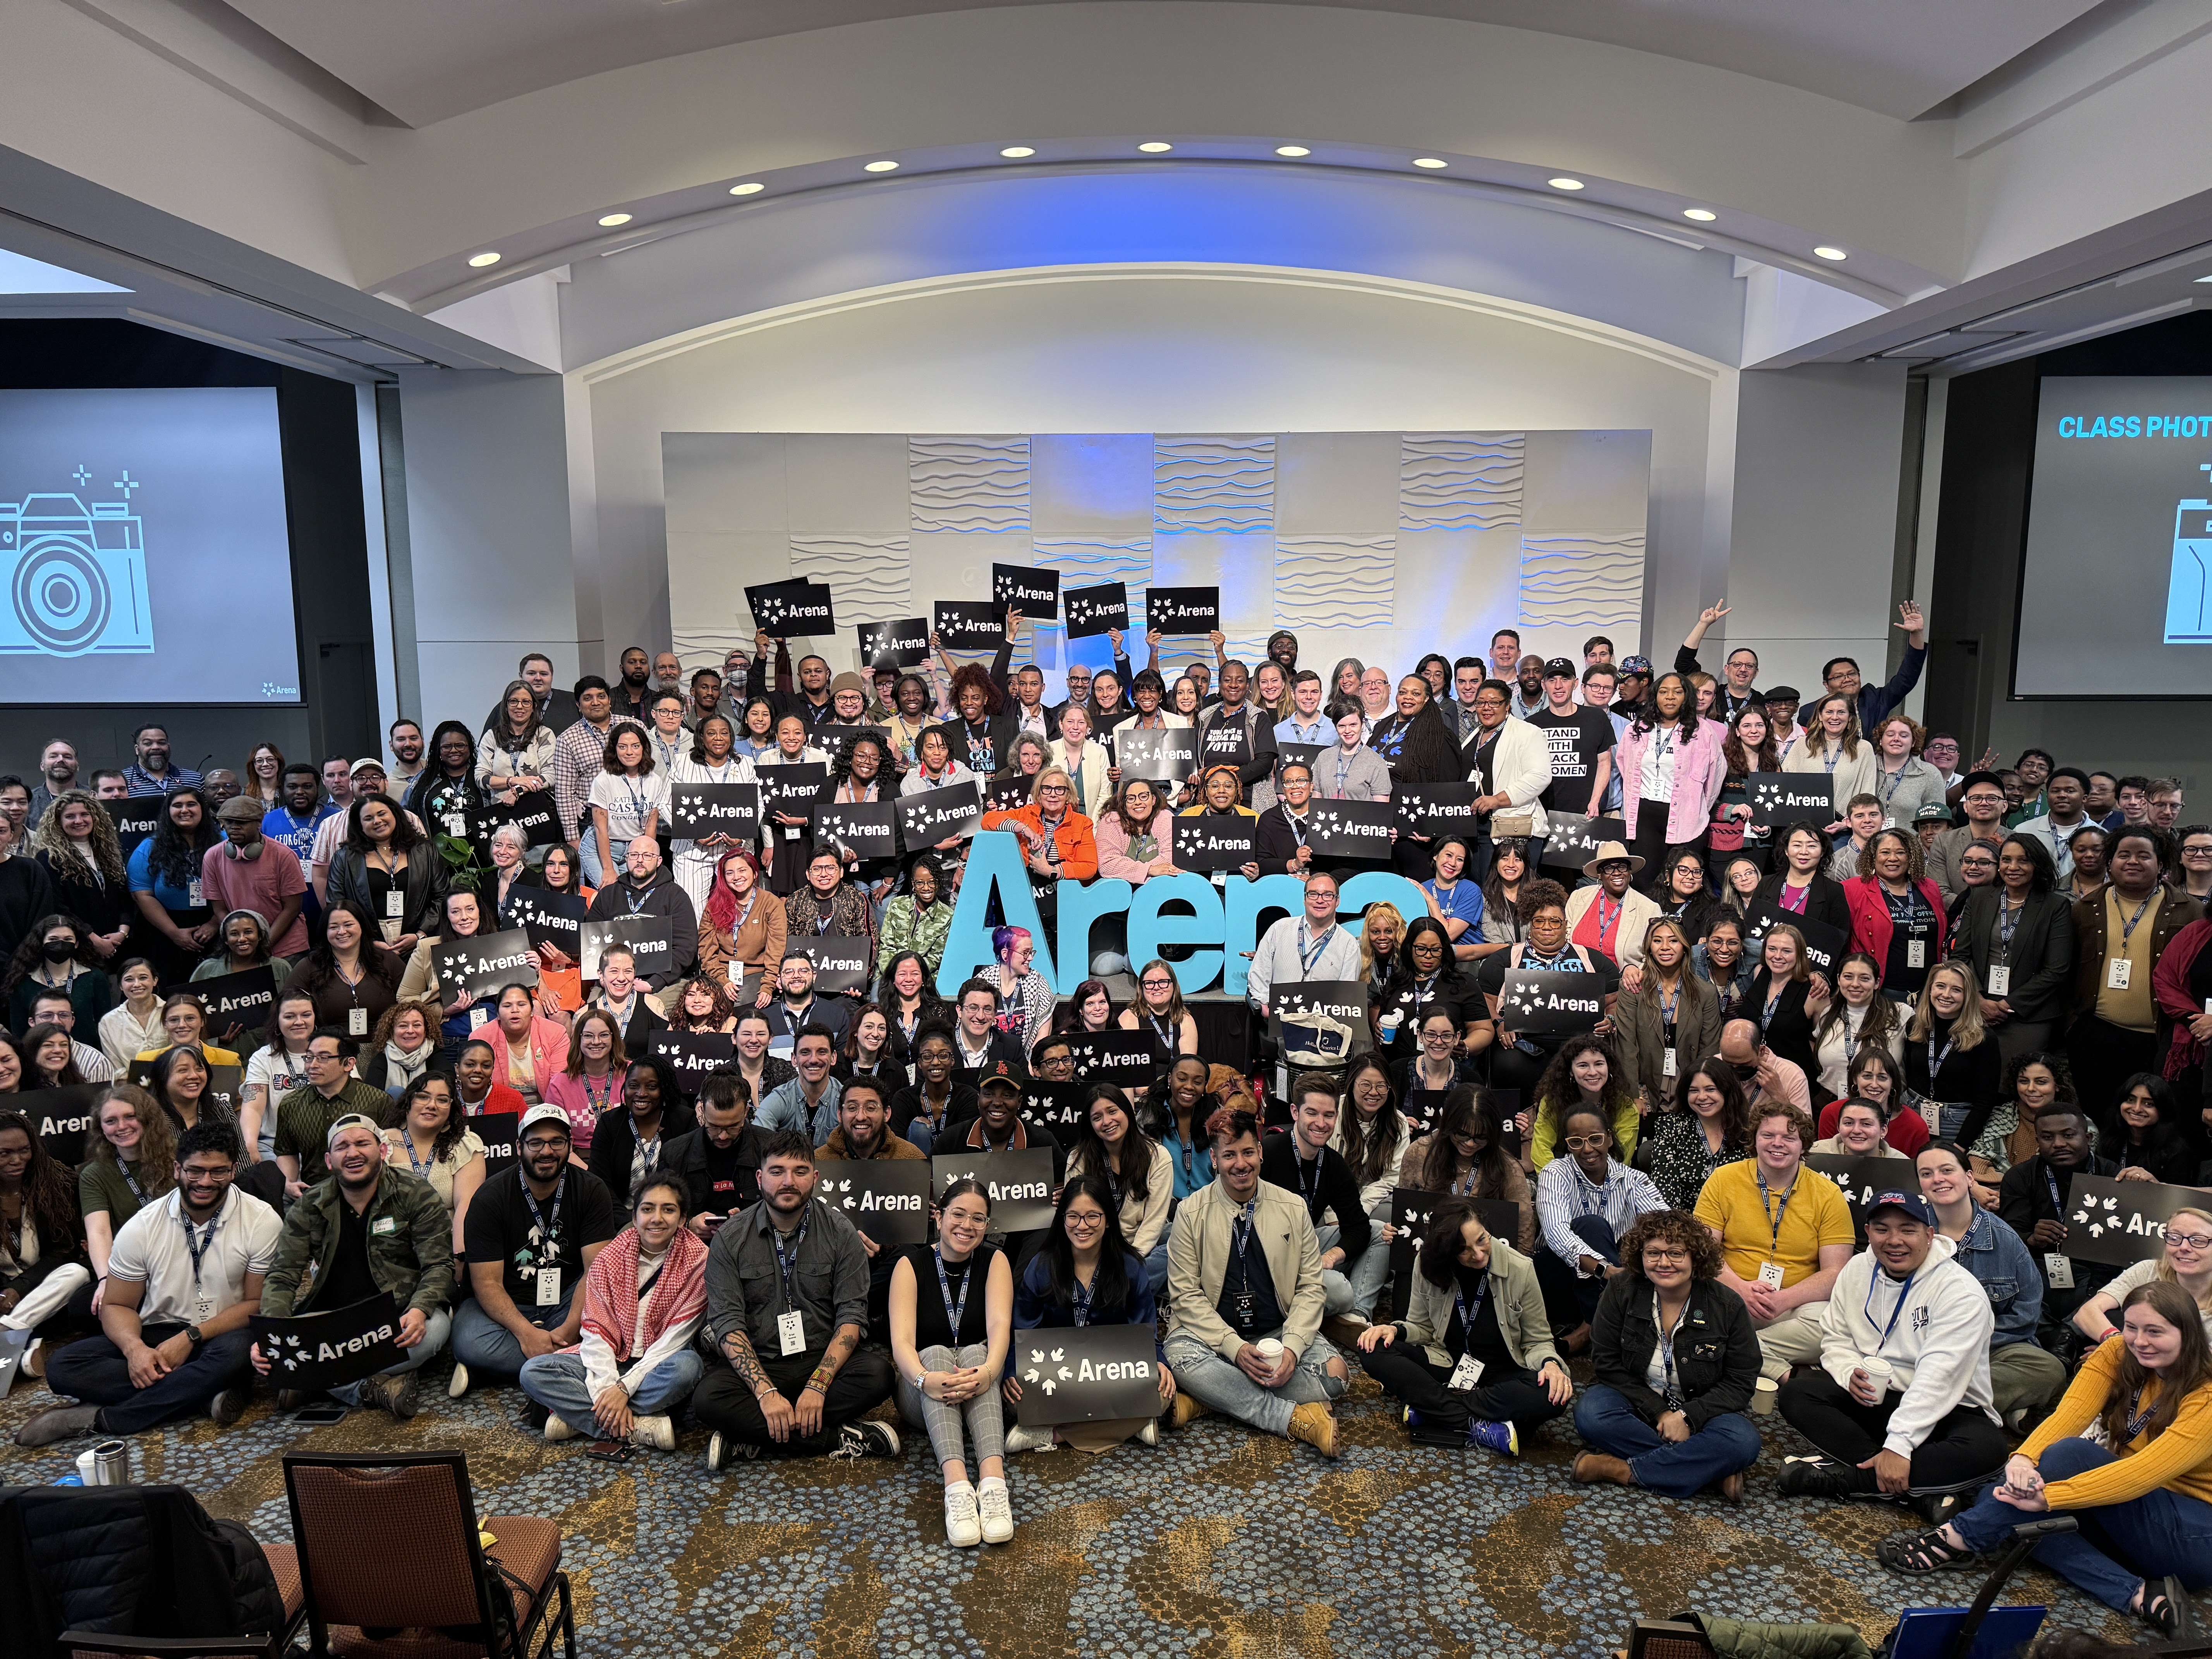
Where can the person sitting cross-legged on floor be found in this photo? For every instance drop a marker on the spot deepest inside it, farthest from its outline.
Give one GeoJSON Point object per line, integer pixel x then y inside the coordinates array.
{"type": "Point", "coordinates": [367, 1228]}
{"type": "Point", "coordinates": [1899, 1403]}
{"type": "Point", "coordinates": [1473, 1357]}
{"type": "Point", "coordinates": [1245, 1299]}
{"type": "Point", "coordinates": [644, 1296]}
{"type": "Point", "coordinates": [184, 1276]}
{"type": "Point", "coordinates": [1586, 1201]}
{"type": "Point", "coordinates": [2145, 1509]}
{"type": "Point", "coordinates": [1676, 1360]}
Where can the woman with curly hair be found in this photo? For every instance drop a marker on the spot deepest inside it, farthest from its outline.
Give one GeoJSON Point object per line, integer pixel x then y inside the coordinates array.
{"type": "Point", "coordinates": [1897, 912]}
{"type": "Point", "coordinates": [164, 872]}
{"type": "Point", "coordinates": [1582, 1076]}
{"type": "Point", "coordinates": [402, 1047]}
{"type": "Point", "coordinates": [703, 1005]}
{"type": "Point", "coordinates": [981, 733]}
{"type": "Point", "coordinates": [74, 844]}
{"type": "Point", "coordinates": [1667, 1317]}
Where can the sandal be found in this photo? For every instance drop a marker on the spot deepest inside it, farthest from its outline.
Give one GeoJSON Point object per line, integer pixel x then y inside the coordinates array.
{"type": "Point", "coordinates": [1921, 1553]}
{"type": "Point", "coordinates": [2159, 1610]}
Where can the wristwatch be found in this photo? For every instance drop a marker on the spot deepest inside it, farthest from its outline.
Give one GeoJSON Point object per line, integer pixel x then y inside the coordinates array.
{"type": "Point", "coordinates": [192, 1334]}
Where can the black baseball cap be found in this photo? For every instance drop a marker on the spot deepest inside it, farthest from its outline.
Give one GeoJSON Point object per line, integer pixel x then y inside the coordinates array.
{"type": "Point", "coordinates": [1001, 1071]}
{"type": "Point", "coordinates": [1561, 668]}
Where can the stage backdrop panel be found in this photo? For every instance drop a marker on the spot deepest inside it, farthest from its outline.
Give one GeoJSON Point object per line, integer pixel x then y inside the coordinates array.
{"type": "Point", "coordinates": [1378, 545]}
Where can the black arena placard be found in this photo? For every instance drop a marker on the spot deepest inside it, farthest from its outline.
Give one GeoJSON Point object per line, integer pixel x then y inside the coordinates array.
{"type": "Point", "coordinates": [870, 828]}
{"type": "Point", "coordinates": [1409, 1215]}
{"type": "Point", "coordinates": [929, 815]}
{"type": "Point", "coordinates": [1575, 839]}
{"type": "Point", "coordinates": [696, 811]}
{"type": "Point", "coordinates": [1437, 809]}
{"type": "Point", "coordinates": [1085, 1374]}
{"type": "Point", "coordinates": [1344, 1001]}
{"type": "Point", "coordinates": [1302, 753]}
{"type": "Point", "coordinates": [1790, 798]}
{"type": "Point", "coordinates": [783, 610]}
{"type": "Point", "coordinates": [1026, 590]}
{"type": "Point", "coordinates": [535, 813]}
{"type": "Point", "coordinates": [1019, 1184]}
{"type": "Point", "coordinates": [886, 1198]}
{"type": "Point", "coordinates": [2120, 1222]}
{"type": "Point", "coordinates": [648, 938]}
{"type": "Point", "coordinates": [1208, 842]}
{"type": "Point", "coordinates": [905, 641]}
{"type": "Point", "coordinates": [548, 918]}
{"type": "Point", "coordinates": [1351, 828]}
{"type": "Point", "coordinates": [1536, 1002]}
{"type": "Point", "coordinates": [1092, 610]}
{"type": "Point", "coordinates": [968, 624]}
{"type": "Point", "coordinates": [502, 1135]}
{"type": "Point", "coordinates": [134, 820]}
{"type": "Point", "coordinates": [791, 788]}
{"type": "Point", "coordinates": [1861, 1178]}
{"type": "Point", "coordinates": [693, 1055]}
{"type": "Point", "coordinates": [1164, 754]}
{"type": "Point", "coordinates": [483, 963]}
{"type": "Point", "coordinates": [1008, 794]}
{"type": "Point", "coordinates": [1424, 1110]}
{"type": "Point", "coordinates": [318, 1350]}
{"type": "Point", "coordinates": [233, 999]}
{"type": "Point", "coordinates": [1129, 1060]}
{"type": "Point", "coordinates": [841, 962]}
{"type": "Point", "coordinates": [62, 1119]}
{"type": "Point", "coordinates": [1824, 946]}
{"type": "Point", "coordinates": [1056, 1108]}
{"type": "Point", "coordinates": [1182, 609]}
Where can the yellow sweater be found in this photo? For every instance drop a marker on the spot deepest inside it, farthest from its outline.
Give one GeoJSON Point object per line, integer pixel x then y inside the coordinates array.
{"type": "Point", "coordinates": [2180, 1458]}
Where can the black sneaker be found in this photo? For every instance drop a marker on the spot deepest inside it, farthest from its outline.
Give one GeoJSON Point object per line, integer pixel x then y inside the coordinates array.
{"type": "Point", "coordinates": [869, 1439]}
{"type": "Point", "coordinates": [1812, 1477]}
{"type": "Point", "coordinates": [227, 1406]}
{"type": "Point", "coordinates": [398, 1394]}
{"type": "Point", "coordinates": [534, 1416]}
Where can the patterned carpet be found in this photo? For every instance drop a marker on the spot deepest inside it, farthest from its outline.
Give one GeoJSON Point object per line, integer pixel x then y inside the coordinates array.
{"type": "Point", "coordinates": [1219, 1543]}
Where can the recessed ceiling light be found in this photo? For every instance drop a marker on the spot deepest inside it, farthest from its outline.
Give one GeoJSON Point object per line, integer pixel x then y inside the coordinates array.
{"type": "Point", "coordinates": [1156, 147]}
{"type": "Point", "coordinates": [752, 189]}
{"type": "Point", "coordinates": [1564, 183]}
{"type": "Point", "coordinates": [610, 220]}
{"type": "Point", "coordinates": [881, 167]}
{"type": "Point", "coordinates": [1016, 152]}
{"type": "Point", "coordinates": [1826, 253]}
{"type": "Point", "coordinates": [1430, 162]}
{"type": "Point", "coordinates": [480, 261]}
{"type": "Point", "coordinates": [1702, 216]}
{"type": "Point", "coordinates": [1292, 150]}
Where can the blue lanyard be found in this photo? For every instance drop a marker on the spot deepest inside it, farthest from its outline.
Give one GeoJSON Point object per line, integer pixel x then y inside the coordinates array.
{"type": "Point", "coordinates": [2008, 917]}
{"type": "Point", "coordinates": [421, 1168]}
{"type": "Point", "coordinates": [1667, 1347]}
{"type": "Point", "coordinates": [197, 1242]}
{"type": "Point", "coordinates": [546, 1229]}
{"type": "Point", "coordinates": [1903, 1292]}
{"type": "Point", "coordinates": [1585, 1203]}
{"type": "Point", "coordinates": [2057, 1204]}
{"type": "Point", "coordinates": [1307, 958]}
{"type": "Point", "coordinates": [1607, 920]}
{"type": "Point", "coordinates": [1774, 1216]}
{"type": "Point", "coordinates": [954, 1311]}
{"type": "Point", "coordinates": [2127, 931]}
{"type": "Point", "coordinates": [787, 1266]}
{"type": "Point", "coordinates": [1467, 1317]}
{"type": "Point", "coordinates": [1080, 1295]}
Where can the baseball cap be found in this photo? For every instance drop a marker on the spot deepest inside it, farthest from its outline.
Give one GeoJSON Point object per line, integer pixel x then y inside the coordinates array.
{"type": "Point", "coordinates": [1561, 668]}
{"type": "Point", "coordinates": [545, 1112]}
{"type": "Point", "coordinates": [1973, 778]}
{"type": "Point", "coordinates": [372, 764]}
{"type": "Point", "coordinates": [1000, 1071]}
{"type": "Point", "coordinates": [354, 1121]}
{"type": "Point", "coordinates": [1934, 812]}
{"type": "Point", "coordinates": [1636, 664]}
{"type": "Point", "coordinates": [1913, 1204]}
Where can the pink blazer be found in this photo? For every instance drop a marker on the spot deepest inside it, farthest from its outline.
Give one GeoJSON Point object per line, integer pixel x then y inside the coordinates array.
{"type": "Point", "coordinates": [548, 1049]}
{"type": "Point", "coordinates": [1699, 772]}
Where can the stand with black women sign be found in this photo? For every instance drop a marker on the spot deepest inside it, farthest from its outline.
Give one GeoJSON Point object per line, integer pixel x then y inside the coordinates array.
{"type": "Point", "coordinates": [316, 1352]}
{"type": "Point", "coordinates": [1538, 1002]}
{"type": "Point", "coordinates": [2118, 1222]}
{"type": "Point", "coordinates": [1019, 1185]}
{"type": "Point", "coordinates": [1824, 945]}
{"type": "Point", "coordinates": [1861, 1178]}
{"type": "Point", "coordinates": [1409, 1218]}
{"type": "Point", "coordinates": [1085, 1374]}
{"type": "Point", "coordinates": [886, 1198]}
{"type": "Point", "coordinates": [481, 964]}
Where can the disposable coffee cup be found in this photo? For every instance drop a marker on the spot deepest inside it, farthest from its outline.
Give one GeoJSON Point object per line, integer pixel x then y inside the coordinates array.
{"type": "Point", "coordinates": [1763, 1393]}
{"type": "Point", "coordinates": [1270, 1349]}
{"type": "Point", "coordinates": [1878, 1367]}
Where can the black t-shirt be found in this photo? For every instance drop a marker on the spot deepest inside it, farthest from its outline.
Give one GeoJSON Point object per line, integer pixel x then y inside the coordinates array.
{"type": "Point", "coordinates": [348, 1280]}
{"type": "Point", "coordinates": [933, 1325]}
{"type": "Point", "coordinates": [501, 1229]}
{"type": "Point", "coordinates": [1577, 740]}
{"type": "Point", "coordinates": [1487, 1342]}
{"type": "Point", "coordinates": [732, 1176]}
{"type": "Point", "coordinates": [1248, 1289]}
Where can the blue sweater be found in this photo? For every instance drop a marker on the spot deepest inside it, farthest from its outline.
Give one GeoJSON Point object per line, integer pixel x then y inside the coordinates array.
{"type": "Point", "coordinates": [1036, 1310]}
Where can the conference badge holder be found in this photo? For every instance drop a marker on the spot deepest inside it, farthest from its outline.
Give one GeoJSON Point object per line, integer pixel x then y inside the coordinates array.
{"type": "Point", "coordinates": [790, 1333]}
{"type": "Point", "coordinates": [1467, 1375]}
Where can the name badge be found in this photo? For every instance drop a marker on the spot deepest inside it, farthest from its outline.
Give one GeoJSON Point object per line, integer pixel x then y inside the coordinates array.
{"type": "Point", "coordinates": [2059, 1270]}
{"type": "Point", "coordinates": [356, 1022]}
{"type": "Point", "coordinates": [395, 905]}
{"type": "Point", "coordinates": [206, 1308]}
{"type": "Point", "coordinates": [196, 892]}
{"type": "Point", "coordinates": [1667, 1062]}
{"type": "Point", "coordinates": [737, 972]}
{"type": "Point", "coordinates": [1467, 1374]}
{"type": "Point", "coordinates": [2118, 973]}
{"type": "Point", "coordinates": [477, 1015]}
{"type": "Point", "coordinates": [791, 832]}
{"type": "Point", "coordinates": [549, 1287]}
{"type": "Point", "coordinates": [1769, 1275]}
{"type": "Point", "coordinates": [384, 1225]}
{"type": "Point", "coordinates": [1221, 879]}
{"type": "Point", "coordinates": [1916, 953]}
{"type": "Point", "coordinates": [791, 1332]}
{"type": "Point", "coordinates": [2000, 982]}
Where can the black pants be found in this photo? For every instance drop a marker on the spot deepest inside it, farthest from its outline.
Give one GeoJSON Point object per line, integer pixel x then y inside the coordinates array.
{"type": "Point", "coordinates": [1963, 1449]}
{"type": "Point", "coordinates": [726, 1405]}
{"type": "Point", "coordinates": [1507, 1393]}
{"type": "Point", "coordinates": [2104, 1056]}
{"type": "Point", "coordinates": [1570, 1299]}
{"type": "Point", "coordinates": [1649, 841]}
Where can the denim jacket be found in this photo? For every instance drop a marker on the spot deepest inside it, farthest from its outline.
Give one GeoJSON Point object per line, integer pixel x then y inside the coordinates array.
{"type": "Point", "coordinates": [1996, 1256]}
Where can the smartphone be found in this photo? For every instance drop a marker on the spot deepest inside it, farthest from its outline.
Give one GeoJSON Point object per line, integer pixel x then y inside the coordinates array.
{"type": "Point", "coordinates": [609, 1451]}
{"type": "Point", "coordinates": [320, 1414]}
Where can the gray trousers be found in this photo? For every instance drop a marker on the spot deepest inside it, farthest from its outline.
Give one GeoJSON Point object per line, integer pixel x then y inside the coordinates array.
{"type": "Point", "coordinates": [986, 1424]}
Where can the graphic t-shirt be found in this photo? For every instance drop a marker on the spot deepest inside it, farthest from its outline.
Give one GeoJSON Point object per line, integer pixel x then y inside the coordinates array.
{"type": "Point", "coordinates": [1577, 740]}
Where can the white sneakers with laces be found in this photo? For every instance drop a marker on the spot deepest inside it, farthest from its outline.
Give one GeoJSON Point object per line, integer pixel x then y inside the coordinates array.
{"type": "Point", "coordinates": [964, 1524]}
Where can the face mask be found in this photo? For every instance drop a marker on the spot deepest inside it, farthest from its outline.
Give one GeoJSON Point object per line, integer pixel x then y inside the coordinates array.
{"type": "Point", "coordinates": [57, 950]}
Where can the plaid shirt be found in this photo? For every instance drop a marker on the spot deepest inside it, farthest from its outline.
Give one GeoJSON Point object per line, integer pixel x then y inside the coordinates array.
{"type": "Point", "coordinates": [578, 757]}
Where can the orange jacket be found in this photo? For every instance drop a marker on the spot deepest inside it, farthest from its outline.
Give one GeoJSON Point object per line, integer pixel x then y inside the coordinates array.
{"type": "Point", "coordinates": [1077, 847]}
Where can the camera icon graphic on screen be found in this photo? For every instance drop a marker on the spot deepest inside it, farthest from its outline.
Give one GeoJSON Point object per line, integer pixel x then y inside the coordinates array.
{"type": "Point", "coordinates": [75, 578]}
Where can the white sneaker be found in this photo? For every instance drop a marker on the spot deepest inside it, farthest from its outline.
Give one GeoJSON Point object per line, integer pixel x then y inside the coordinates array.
{"type": "Point", "coordinates": [1150, 1434]}
{"type": "Point", "coordinates": [964, 1526]}
{"type": "Point", "coordinates": [556, 1429]}
{"type": "Point", "coordinates": [1019, 1439]}
{"type": "Point", "coordinates": [997, 1510]}
{"type": "Point", "coordinates": [457, 1384]}
{"type": "Point", "coordinates": [655, 1431]}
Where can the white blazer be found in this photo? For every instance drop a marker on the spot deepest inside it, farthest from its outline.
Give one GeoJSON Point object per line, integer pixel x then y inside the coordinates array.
{"type": "Point", "coordinates": [1522, 768]}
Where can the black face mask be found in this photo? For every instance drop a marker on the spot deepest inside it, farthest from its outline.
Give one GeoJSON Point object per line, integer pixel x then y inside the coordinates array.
{"type": "Point", "coordinates": [57, 950]}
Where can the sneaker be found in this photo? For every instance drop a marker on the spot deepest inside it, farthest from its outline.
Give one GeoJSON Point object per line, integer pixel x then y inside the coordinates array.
{"type": "Point", "coordinates": [35, 1359]}
{"type": "Point", "coordinates": [869, 1439]}
{"type": "Point", "coordinates": [557, 1429]}
{"type": "Point", "coordinates": [1019, 1439]}
{"type": "Point", "coordinates": [60, 1422]}
{"type": "Point", "coordinates": [534, 1416]}
{"type": "Point", "coordinates": [1343, 1330]}
{"type": "Point", "coordinates": [717, 1451]}
{"type": "Point", "coordinates": [1504, 1437]}
{"type": "Point", "coordinates": [964, 1520]}
{"type": "Point", "coordinates": [1316, 1424]}
{"type": "Point", "coordinates": [1150, 1434]}
{"type": "Point", "coordinates": [398, 1394]}
{"type": "Point", "coordinates": [227, 1406]}
{"type": "Point", "coordinates": [655, 1431]}
{"type": "Point", "coordinates": [1812, 1477]}
{"type": "Point", "coordinates": [458, 1384]}
{"type": "Point", "coordinates": [998, 1509]}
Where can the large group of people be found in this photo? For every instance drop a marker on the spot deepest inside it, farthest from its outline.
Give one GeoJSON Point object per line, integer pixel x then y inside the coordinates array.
{"type": "Point", "coordinates": [1988, 980]}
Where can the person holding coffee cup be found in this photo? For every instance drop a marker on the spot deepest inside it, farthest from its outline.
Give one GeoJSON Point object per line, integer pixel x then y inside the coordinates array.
{"type": "Point", "coordinates": [1900, 1402]}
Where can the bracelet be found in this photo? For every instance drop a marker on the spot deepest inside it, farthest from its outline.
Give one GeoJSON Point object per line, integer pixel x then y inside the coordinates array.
{"type": "Point", "coordinates": [816, 1385]}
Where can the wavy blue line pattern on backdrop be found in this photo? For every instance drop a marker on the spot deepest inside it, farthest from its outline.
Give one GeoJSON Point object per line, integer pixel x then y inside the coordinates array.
{"type": "Point", "coordinates": [1213, 485]}
{"type": "Point", "coordinates": [1341, 581]}
{"type": "Point", "coordinates": [1572, 580]}
{"type": "Point", "coordinates": [968, 483]}
{"type": "Point", "coordinates": [870, 577]}
{"type": "Point", "coordinates": [1459, 480]}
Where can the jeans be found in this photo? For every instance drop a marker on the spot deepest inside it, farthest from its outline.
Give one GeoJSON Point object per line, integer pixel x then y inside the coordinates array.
{"type": "Point", "coordinates": [1963, 1449]}
{"type": "Point", "coordinates": [95, 1371]}
{"type": "Point", "coordinates": [2161, 1532]}
{"type": "Point", "coordinates": [1213, 1380]}
{"type": "Point", "coordinates": [726, 1406]}
{"type": "Point", "coordinates": [1156, 1267]}
{"type": "Point", "coordinates": [434, 1332]}
{"type": "Point", "coordinates": [556, 1381]}
{"type": "Point", "coordinates": [488, 1348]}
{"type": "Point", "coordinates": [985, 1422]}
{"type": "Point", "coordinates": [1507, 1393]}
{"type": "Point", "coordinates": [1569, 1298]}
{"type": "Point", "coordinates": [1726, 1445]}
{"type": "Point", "coordinates": [1354, 1287]}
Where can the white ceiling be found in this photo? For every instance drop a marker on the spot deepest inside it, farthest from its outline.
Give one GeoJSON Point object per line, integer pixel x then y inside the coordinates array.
{"type": "Point", "coordinates": [424, 60]}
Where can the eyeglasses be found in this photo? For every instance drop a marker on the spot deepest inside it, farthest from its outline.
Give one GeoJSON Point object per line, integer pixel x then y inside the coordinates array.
{"type": "Point", "coordinates": [1662, 1253]}
{"type": "Point", "coordinates": [1052, 789]}
{"type": "Point", "coordinates": [2189, 1241]}
{"type": "Point", "coordinates": [1596, 1143]}
{"type": "Point", "coordinates": [1086, 1222]}
{"type": "Point", "coordinates": [1157, 984]}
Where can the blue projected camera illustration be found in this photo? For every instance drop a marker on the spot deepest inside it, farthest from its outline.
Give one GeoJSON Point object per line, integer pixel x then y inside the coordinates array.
{"type": "Point", "coordinates": [75, 577]}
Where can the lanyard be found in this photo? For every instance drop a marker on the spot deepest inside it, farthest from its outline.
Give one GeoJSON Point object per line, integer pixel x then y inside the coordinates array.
{"type": "Point", "coordinates": [1666, 1347]}
{"type": "Point", "coordinates": [1298, 823]}
{"type": "Point", "coordinates": [197, 1242]}
{"type": "Point", "coordinates": [954, 1311]}
{"type": "Point", "coordinates": [1343, 765]}
{"type": "Point", "coordinates": [1803, 894]}
{"type": "Point", "coordinates": [2008, 917]}
{"type": "Point", "coordinates": [1079, 1294]}
{"type": "Point", "coordinates": [1854, 1019]}
{"type": "Point", "coordinates": [546, 1229]}
{"type": "Point", "coordinates": [1607, 920]}
{"type": "Point", "coordinates": [1240, 1231]}
{"type": "Point", "coordinates": [598, 1101]}
{"type": "Point", "coordinates": [1307, 958]}
{"type": "Point", "coordinates": [1301, 1163]}
{"type": "Point", "coordinates": [2057, 1204]}
{"type": "Point", "coordinates": [1774, 1216]}
{"type": "Point", "coordinates": [635, 901]}
{"type": "Point", "coordinates": [1911, 898]}
{"type": "Point", "coordinates": [1935, 1061]}
{"type": "Point", "coordinates": [1590, 1198]}
{"type": "Point", "coordinates": [2137, 1416]}
{"type": "Point", "coordinates": [1894, 779]}
{"type": "Point", "coordinates": [132, 1181]}
{"type": "Point", "coordinates": [2127, 931]}
{"type": "Point", "coordinates": [1468, 1316]}
{"type": "Point", "coordinates": [787, 1266]}
{"type": "Point", "coordinates": [421, 1168]}
{"type": "Point", "coordinates": [1829, 759]}
{"type": "Point", "coordinates": [1904, 1291]}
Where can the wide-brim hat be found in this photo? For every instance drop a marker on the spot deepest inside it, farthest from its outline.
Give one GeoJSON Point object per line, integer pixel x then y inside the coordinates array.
{"type": "Point", "coordinates": [1609, 853]}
